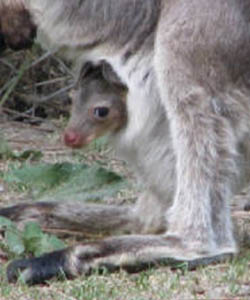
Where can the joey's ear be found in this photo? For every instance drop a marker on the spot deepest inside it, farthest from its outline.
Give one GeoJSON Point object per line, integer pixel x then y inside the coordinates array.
{"type": "Point", "coordinates": [110, 75]}
{"type": "Point", "coordinates": [88, 70]}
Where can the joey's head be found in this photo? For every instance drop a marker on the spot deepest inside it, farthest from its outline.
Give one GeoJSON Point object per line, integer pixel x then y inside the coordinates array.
{"type": "Point", "coordinates": [98, 108]}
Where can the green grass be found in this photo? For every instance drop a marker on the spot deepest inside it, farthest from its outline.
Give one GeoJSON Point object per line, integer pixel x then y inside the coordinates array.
{"type": "Point", "coordinates": [230, 280]}
{"type": "Point", "coordinates": [222, 281]}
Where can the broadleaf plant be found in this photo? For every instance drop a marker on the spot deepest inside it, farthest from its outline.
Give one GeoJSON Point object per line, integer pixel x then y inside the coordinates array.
{"type": "Point", "coordinates": [29, 241]}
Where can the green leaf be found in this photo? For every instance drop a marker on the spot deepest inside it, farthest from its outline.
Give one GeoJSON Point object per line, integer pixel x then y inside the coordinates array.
{"type": "Point", "coordinates": [4, 222]}
{"type": "Point", "coordinates": [5, 151]}
{"type": "Point", "coordinates": [32, 235]}
{"type": "Point", "coordinates": [55, 242]}
{"type": "Point", "coordinates": [48, 243]}
{"type": "Point", "coordinates": [67, 181]}
{"type": "Point", "coordinates": [37, 242]}
{"type": "Point", "coordinates": [28, 154]}
{"type": "Point", "coordinates": [31, 240]}
{"type": "Point", "coordinates": [14, 242]}
{"type": "Point", "coordinates": [44, 176]}
{"type": "Point", "coordinates": [32, 230]}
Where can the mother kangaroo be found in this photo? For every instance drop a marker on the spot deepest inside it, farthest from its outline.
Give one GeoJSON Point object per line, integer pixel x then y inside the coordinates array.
{"type": "Point", "coordinates": [187, 68]}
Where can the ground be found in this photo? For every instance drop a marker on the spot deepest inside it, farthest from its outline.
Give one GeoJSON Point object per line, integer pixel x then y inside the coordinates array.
{"type": "Point", "coordinates": [229, 280]}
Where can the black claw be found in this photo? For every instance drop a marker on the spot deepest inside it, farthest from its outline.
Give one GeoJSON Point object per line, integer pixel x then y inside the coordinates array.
{"type": "Point", "coordinates": [38, 270]}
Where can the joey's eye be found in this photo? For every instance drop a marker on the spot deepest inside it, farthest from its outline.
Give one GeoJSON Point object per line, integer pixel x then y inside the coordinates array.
{"type": "Point", "coordinates": [101, 112]}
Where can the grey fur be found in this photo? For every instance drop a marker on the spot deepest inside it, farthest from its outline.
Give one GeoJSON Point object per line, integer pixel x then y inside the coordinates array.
{"type": "Point", "coordinates": [186, 65]}
{"type": "Point", "coordinates": [99, 106]}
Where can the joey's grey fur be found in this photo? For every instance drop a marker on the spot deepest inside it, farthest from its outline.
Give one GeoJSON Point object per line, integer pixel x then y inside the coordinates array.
{"type": "Point", "coordinates": [98, 106]}
{"type": "Point", "coordinates": [186, 65]}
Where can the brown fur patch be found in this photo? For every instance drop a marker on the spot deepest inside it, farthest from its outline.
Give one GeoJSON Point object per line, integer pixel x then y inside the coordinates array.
{"type": "Point", "coordinates": [17, 28]}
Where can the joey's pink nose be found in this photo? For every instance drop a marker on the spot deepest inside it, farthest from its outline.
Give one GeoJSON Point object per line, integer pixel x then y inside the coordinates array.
{"type": "Point", "coordinates": [73, 139]}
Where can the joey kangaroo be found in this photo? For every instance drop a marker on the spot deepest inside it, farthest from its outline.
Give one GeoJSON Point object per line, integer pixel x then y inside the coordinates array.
{"type": "Point", "coordinates": [99, 106]}
{"type": "Point", "coordinates": [186, 65]}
